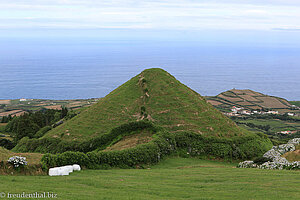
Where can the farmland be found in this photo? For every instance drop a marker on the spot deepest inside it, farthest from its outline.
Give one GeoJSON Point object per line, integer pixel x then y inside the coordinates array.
{"type": "Point", "coordinates": [251, 100]}
{"type": "Point", "coordinates": [17, 107]}
{"type": "Point", "coordinates": [254, 116]}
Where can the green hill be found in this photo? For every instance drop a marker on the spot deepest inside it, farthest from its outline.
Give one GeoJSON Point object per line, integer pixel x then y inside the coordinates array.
{"type": "Point", "coordinates": [155, 95]}
{"type": "Point", "coordinates": [150, 116]}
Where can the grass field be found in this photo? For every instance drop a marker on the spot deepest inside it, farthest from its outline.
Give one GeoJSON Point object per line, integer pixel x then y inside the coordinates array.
{"type": "Point", "coordinates": [174, 178]}
{"type": "Point", "coordinates": [296, 103]}
{"type": "Point", "coordinates": [276, 124]}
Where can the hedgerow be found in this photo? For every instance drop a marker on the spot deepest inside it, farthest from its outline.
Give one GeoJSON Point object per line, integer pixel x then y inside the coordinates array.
{"type": "Point", "coordinates": [162, 145]}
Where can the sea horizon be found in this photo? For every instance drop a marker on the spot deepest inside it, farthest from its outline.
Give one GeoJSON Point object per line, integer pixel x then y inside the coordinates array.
{"type": "Point", "coordinates": [77, 68]}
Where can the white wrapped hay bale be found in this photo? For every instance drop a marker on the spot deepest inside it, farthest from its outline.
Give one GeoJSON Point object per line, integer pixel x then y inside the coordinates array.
{"type": "Point", "coordinates": [53, 172]}
{"type": "Point", "coordinates": [63, 171]}
{"type": "Point", "coordinates": [70, 168]}
{"type": "Point", "coordinates": [76, 167]}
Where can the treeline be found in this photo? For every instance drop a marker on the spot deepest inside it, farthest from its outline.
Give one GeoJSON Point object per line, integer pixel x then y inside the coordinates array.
{"type": "Point", "coordinates": [6, 119]}
{"type": "Point", "coordinates": [35, 124]}
{"type": "Point", "coordinates": [265, 128]}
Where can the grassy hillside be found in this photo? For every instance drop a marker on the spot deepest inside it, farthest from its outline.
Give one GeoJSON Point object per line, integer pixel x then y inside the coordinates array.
{"type": "Point", "coordinates": [156, 95]}
{"type": "Point", "coordinates": [174, 178]}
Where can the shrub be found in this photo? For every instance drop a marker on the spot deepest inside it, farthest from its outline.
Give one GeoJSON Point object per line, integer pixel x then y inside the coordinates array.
{"type": "Point", "coordinates": [17, 161]}
{"type": "Point", "coordinates": [163, 144]}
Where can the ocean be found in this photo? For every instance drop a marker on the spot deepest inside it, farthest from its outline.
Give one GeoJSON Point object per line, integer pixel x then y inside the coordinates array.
{"type": "Point", "coordinates": [76, 68]}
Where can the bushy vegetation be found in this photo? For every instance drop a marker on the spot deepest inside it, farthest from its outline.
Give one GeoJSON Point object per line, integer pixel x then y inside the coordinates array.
{"type": "Point", "coordinates": [6, 143]}
{"type": "Point", "coordinates": [261, 160]}
{"type": "Point", "coordinates": [6, 119]}
{"type": "Point", "coordinates": [34, 124]}
{"type": "Point", "coordinates": [57, 145]}
{"type": "Point", "coordinates": [284, 117]}
{"type": "Point", "coordinates": [163, 144]}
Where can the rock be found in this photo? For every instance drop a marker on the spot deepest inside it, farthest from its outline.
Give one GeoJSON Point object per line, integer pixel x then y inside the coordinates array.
{"type": "Point", "coordinates": [295, 141]}
{"type": "Point", "coordinates": [282, 149]}
{"type": "Point", "coordinates": [271, 154]}
{"type": "Point", "coordinates": [275, 153]}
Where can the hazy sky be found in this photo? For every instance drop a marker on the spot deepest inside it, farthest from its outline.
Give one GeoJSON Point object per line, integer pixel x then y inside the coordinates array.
{"type": "Point", "coordinates": [152, 15]}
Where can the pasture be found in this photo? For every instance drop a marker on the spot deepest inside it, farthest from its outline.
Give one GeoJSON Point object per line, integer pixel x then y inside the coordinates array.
{"type": "Point", "coordinates": [174, 178]}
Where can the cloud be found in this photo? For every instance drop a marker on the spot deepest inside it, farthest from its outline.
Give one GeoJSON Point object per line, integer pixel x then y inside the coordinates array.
{"type": "Point", "coordinates": [151, 14]}
{"type": "Point", "coordinates": [286, 29]}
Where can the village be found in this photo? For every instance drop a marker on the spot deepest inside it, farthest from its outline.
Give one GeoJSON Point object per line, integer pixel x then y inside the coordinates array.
{"type": "Point", "coordinates": [238, 111]}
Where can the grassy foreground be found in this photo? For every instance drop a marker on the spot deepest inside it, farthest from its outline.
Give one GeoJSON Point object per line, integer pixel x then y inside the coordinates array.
{"type": "Point", "coordinates": [174, 178]}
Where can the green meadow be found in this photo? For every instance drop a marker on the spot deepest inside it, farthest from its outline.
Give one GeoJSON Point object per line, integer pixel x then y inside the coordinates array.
{"type": "Point", "coordinates": [173, 178]}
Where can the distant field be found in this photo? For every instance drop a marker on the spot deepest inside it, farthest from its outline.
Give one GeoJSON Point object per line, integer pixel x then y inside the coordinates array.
{"type": "Point", "coordinates": [249, 100]}
{"type": "Point", "coordinates": [276, 125]}
{"type": "Point", "coordinates": [296, 103]}
{"type": "Point", "coordinates": [16, 107]}
{"type": "Point", "coordinates": [176, 178]}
